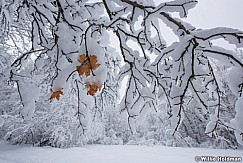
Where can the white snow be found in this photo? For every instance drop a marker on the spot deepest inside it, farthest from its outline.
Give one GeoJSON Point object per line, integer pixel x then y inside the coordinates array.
{"type": "Point", "coordinates": [180, 6]}
{"type": "Point", "coordinates": [29, 95]}
{"type": "Point", "coordinates": [210, 127]}
{"type": "Point", "coordinates": [233, 36]}
{"type": "Point", "coordinates": [107, 154]}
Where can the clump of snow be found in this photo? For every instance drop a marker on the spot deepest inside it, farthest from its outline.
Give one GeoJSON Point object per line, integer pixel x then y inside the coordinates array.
{"type": "Point", "coordinates": [210, 127]}
{"type": "Point", "coordinates": [62, 80]}
{"type": "Point", "coordinates": [29, 95]}
{"type": "Point", "coordinates": [104, 40]}
{"type": "Point", "coordinates": [66, 37]}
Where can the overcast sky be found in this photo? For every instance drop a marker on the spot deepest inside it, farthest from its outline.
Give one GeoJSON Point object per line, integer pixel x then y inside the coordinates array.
{"type": "Point", "coordinates": [213, 13]}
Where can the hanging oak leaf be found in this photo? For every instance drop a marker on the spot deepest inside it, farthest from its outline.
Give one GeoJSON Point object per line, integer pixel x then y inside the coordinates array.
{"type": "Point", "coordinates": [93, 62]}
{"type": "Point", "coordinates": [82, 58]}
{"type": "Point", "coordinates": [87, 64]}
{"type": "Point", "coordinates": [56, 94]}
{"type": "Point", "coordinates": [93, 87]}
{"type": "Point", "coordinates": [84, 69]}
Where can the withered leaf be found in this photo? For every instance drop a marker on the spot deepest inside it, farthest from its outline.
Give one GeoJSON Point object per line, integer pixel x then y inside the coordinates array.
{"type": "Point", "coordinates": [83, 69]}
{"type": "Point", "coordinates": [56, 94]}
{"type": "Point", "coordinates": [93, 61]}
{"type": "Point", "coordinates": [82, 58]}
{"type": "Point", "coordinates": [93, 87]}
{"type": "Point", "coordinates": [87, 64]}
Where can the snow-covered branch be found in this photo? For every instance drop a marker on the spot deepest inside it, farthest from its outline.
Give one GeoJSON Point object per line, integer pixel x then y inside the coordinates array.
{"type": "Point", "coordinates": [65, 44]}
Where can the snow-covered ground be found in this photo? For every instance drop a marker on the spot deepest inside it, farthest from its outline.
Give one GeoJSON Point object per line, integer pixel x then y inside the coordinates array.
{"type": "Point", "coordinates": [109, 154]}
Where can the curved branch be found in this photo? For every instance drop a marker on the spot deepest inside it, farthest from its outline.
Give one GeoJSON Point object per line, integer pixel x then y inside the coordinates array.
{"type": "Point", "coordinates": [224, 54]}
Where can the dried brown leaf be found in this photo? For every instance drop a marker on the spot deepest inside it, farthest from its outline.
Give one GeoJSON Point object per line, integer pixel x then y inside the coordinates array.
{"type": "Point", "coordinates": [87, 64]}
{"type": "Point", "coordinates": [56, 94]}
{"type": "Point", "coordinates": [93, 87]}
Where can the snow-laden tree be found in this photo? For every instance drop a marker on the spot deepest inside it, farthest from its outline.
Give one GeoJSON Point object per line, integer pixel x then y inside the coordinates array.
{"type": "Point", "coordinates": [66, 43]}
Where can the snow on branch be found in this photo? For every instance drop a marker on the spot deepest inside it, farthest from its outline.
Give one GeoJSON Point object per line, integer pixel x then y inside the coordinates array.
{"type": "Point", "coordinates": [180, 6]}
{"type": "Point", "coordinates": [182, 71]}
{"type": "Point", "coordinates": [233, 36]}
{"type": "Point", "coordinates": [69, 42]}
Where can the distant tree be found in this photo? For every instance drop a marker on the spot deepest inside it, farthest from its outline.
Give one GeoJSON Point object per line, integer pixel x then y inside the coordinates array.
{"type": "Point", "coordinates": [59, 45]}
